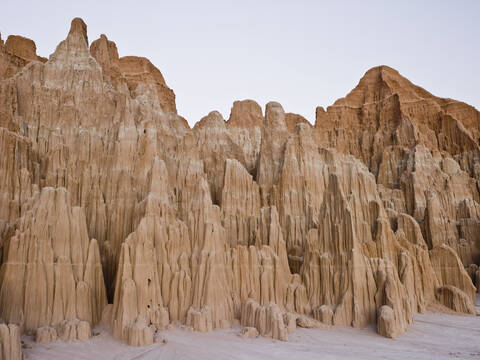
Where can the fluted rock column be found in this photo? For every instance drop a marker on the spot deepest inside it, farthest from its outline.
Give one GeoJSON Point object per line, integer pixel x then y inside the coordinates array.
{"type": "Point", "coordinates": [57, 266]}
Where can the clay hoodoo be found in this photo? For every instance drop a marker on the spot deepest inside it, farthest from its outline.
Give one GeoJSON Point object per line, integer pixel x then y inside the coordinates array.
{"type": "Point", "coordinates": [369, 216]}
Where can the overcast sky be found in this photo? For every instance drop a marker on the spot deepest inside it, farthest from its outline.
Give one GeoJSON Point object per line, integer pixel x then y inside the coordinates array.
{"type": "Point", "coordinates": [300, 53]}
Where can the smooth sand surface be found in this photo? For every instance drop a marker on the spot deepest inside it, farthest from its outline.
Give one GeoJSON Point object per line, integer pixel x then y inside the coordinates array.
{"type": "Point", "coordinates": [432, 336]}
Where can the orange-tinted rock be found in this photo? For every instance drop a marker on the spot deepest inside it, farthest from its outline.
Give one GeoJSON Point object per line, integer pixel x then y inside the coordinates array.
{"type": "Point", "coordinates": [15, 53]}
{"type": "Point", "coordinates": [139, 70]}
{"type": "Point", "coordinates": [23, 48]}
{"type": "Point", "coordinates": [293, 119]}
{"type": "Point", "coordinates": [106, 53]}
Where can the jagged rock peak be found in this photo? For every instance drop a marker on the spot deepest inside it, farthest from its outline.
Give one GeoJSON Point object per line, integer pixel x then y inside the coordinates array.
{"type": "Point", "coordinates": [275, 115]}
{"type": "Point", "coordinates": [78, 27]}
{"type": "Point", "coordinates": [213, 119]}
{"type": "Point", "coordinates": [74, 49]}
{"type": "Point", "coordinates": [379, 83]}
{"type": "Point", "coordinates": [245, 113]}
{"type": "Point", "coordinates": [105, 51]}
{"type": "Point", "coordinates": [138, 70]}
{"type": "Point", "coordinates": [106, 54]}
{"type": "Point", "coordinates": [23, 47]}
{"type": "Point", "coordinates": [292, 120]}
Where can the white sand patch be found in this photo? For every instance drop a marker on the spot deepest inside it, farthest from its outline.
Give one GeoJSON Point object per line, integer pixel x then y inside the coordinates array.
{"type": "Point", "coordinates": [433, 336]}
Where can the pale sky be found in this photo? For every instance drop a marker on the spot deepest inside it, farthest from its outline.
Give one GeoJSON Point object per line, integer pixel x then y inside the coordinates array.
{"type": "Point", "coordinates": [302, 54]}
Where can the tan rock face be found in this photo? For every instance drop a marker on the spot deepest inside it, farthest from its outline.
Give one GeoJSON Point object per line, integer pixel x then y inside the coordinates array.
{"type": "Point", "coordinates": [106, 54]}
{"type": "Point", "coordinates": [268, 319]}
{"type": "Point", "coordinates": [45, 334]}
{"type": "Point", "coordinates": [386, 321]}
{"type": "Point", "coordinates": [10, 347]}
{"type": "Point", "coordinates": [56, 264]}
{"type": "Point", "coordinates": [245, 127]}
{"type": "Point", "coordinates": [455, 299]}
{"type": "Point", "coordinates": [367, 217]}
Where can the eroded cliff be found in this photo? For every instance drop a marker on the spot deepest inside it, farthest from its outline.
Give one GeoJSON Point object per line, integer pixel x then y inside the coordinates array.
{"type": "Point", "coordinates": [369, 216]}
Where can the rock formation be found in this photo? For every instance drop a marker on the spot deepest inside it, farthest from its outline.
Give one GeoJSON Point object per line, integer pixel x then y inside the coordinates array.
{"type": "Point", "coordinates": [52, 272]}
{"type": "Point", "coordinates": [10, 347]}
{"type": "Point", "coordinates": [107, 196]}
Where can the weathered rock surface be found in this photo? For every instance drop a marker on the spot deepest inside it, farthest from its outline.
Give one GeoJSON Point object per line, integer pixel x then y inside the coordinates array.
{"type": "Point", "coordinates": [386, 322]}
{"type": "Point", "coordinates": [45, 334]}
{"type": "Point", "coordinates": [367, 217]}
{"type": "Point", "coordinates": [267, 319]}
{"type": "Point", "coordinates": [52, 271]}
{"type": "Point", "coordinates": [23, 47]}
{"type": "Point", "coordinates": [450, 270]}
{"type": "Point", "coordinates": [455, 299]}
{"type": "Point", "coordinates": [73, 330]}
{"type": "Point", "coordinates": [139, 70]}
{"type": "Point", "coordinates": [324, 314]}
{"type": "Point", "coordinates": [10, 347]}
{"type": "Point", "coordinates": [249, 332]}
{"type": "Point", "coordinates": [245, 127]}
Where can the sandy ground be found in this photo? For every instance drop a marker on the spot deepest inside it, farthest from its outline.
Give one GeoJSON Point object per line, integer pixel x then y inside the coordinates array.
{"type": "Point", "coordinates": [432, 336]}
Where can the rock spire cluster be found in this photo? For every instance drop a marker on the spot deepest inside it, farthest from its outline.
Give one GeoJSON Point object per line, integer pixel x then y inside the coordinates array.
{"type": "Point", "coordinates": [114, 210]}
